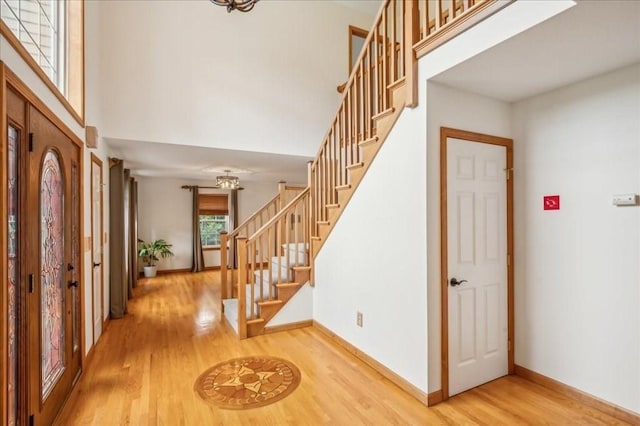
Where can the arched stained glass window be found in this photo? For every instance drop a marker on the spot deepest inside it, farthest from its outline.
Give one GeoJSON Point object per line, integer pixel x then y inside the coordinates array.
{"type": "Point", "coordinates": [52, 290]}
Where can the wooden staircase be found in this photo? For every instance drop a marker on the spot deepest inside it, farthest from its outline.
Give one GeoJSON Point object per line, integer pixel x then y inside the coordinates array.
{"type": "Point", "coordinates": [382, 82]}
{"type": "Point", "coordinates": [273, 264]}
{"type": "Point", "coordinates": [383, 123]}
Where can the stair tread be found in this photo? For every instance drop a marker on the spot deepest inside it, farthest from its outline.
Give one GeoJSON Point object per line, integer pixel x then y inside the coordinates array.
{"type": "Point", "coordinates": [381, 114]}
{"type": "Point", "coordinates": [342, 188]}
{"type": "Point", "coordinates": [369, 141]}
{"type": "Point", "coordinates": [355, 166]}
{"type": "Point", "coordinates": [288, 285]}
{"type": "Point", "coordinates": [333, 206]}
{"type": "Point", "coordinates": [323, 222]}
{"type": "Point", "coordinates": [270, 302]}
{"type": "Point", "coordinates": [302, 268]}
{"type": "Point", "coordinates": [255, 321]}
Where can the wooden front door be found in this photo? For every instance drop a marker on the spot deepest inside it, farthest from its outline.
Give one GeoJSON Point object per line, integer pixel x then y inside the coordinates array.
{"type": "Point", "coordinates": [52, 264]}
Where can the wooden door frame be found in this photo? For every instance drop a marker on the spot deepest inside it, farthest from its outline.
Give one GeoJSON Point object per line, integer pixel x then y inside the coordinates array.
{"type": "Point", "coordinates": [446, 133]}
{"type": "Point", "coordinates": [9, 80]}
{"type": "Point", "coordinates": [98, 162]}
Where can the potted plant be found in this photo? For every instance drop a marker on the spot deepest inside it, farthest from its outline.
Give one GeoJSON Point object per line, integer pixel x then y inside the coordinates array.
{"type": "Point", "coordinates": [151, 253]}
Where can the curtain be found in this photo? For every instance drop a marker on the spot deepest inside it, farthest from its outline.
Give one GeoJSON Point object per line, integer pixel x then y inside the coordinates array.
{"type": "Point", "coordinates": [127, 231]}
{"type": "Point", "coordinates": [117, 246]}
{"type": "Point", "coordinates": [133, 233]}
{"type": "Point", "coordinates": [198, 257]}
{"type": "Point", "coordinates": [233, 221]}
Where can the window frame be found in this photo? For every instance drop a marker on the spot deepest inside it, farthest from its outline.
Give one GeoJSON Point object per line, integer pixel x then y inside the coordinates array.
{"type": "Point", "coordinates": [73, 69]}
{"type": "Point", "coordinates": [226, 229]}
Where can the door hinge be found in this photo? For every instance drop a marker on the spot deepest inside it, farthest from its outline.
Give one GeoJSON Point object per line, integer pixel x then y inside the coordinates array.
{"type": "Point", "coordinates": [32, 420]}
{"type": "Point", "coordinates": [508, 172]}
{"type": "Point", "coordinates": [30, 283]}
{"type": "Point", "coordinates": [30, 142]}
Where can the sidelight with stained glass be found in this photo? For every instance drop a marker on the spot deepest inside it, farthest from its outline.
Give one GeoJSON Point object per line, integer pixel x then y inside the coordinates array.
{"type": "Point", "coordinates": [12, 269]}
{"type": "Point", "coordinates": [52, 303]}
{"type": "Point", "coordinates": [75, 255]}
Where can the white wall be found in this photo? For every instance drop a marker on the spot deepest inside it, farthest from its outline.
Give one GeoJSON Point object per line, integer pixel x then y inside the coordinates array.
{"type": "Point", "coordinates": [92, 118]}
{"type": "Point", "coordinates": [374, 259]}
{"type": "Point", "coordinates": [164, 211]}
{"type": "Point", "coordinates": [577, 269]}
{"type": "Point", "coordinates": [447, 107]}
{"type": "Point", "coordinates": [190, 73]}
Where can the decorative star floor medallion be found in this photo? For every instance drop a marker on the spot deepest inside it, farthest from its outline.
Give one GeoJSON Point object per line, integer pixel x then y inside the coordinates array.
{"type": "Point", "coordinates": [244, 383]}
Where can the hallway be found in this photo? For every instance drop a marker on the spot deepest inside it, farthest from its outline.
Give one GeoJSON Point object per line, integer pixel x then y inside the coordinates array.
{"type": "Point", "coordinates": [145, 365]}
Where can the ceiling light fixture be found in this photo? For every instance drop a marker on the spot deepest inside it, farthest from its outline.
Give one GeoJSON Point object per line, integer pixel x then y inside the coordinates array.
{"type": "Point", "coordinates": [227, 182]}
{"type": "Point", "coordinates": [241, 5]}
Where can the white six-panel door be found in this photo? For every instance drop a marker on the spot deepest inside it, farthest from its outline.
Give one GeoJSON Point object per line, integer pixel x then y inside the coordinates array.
{"type": "Point", "coordinates": [96, 232]}
{"type": "Point", "coordinates": [477, 254]}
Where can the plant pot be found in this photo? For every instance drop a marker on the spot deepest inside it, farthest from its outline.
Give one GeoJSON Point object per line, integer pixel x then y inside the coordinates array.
{"type": "Point", "coordinates": [150, 271]}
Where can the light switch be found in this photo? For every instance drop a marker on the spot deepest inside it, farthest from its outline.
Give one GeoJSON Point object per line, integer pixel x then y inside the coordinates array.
{"type": "Point", "coordinates": [625, 200]}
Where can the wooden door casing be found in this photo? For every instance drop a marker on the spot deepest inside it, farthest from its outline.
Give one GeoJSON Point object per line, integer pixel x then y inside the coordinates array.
{"type": "Point", "coordinates": [445, 134]}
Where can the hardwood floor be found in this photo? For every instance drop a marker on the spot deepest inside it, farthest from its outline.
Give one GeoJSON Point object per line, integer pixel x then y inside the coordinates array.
{"type": "Point", "coordinates": [145, 365]}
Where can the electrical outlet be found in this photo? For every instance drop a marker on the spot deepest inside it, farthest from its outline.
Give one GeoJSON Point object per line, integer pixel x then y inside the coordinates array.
{"type": "Point", "coordinates": [359, 319]}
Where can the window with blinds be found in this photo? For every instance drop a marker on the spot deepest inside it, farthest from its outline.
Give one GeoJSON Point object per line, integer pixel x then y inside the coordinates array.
{"type": "Point", "coordinates": [40, 27]}
{"type": "Point", "coordinates": [214, 218]}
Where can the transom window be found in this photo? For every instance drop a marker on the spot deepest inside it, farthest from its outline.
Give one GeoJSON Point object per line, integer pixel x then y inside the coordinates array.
{"type": "Point", "coordinates": [40, 27]}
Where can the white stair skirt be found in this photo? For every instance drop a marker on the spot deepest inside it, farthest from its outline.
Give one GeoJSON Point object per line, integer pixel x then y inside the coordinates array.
{"type": "Point", "coordinates": [299, 308]}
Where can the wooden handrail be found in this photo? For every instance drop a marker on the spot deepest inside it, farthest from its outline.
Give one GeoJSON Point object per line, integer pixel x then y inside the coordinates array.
{"type": "Point", "coordinates": [267, 256]}
{"type": "Point", "coordinates": [228, 241]}
{"type": "Point", "coordinates": [386, 58]}
{"type": "Point", "coordinates": [278, 215]}
{"type": "Point", "coordinates": [251, 218]}
{"type": "Point", "coordinates": [263, 209]}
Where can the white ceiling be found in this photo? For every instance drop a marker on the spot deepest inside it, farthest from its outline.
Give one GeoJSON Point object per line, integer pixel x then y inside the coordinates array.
{"type": "Point", "coordinates": [372, 7]}
{"type": "Point", "coordinates": [588, 39]}
{"type": "Point", "coordinates": [188, 162]}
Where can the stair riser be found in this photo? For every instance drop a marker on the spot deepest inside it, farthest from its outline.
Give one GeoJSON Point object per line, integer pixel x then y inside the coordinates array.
{"type": "Point", "coordinates": [285, 276]}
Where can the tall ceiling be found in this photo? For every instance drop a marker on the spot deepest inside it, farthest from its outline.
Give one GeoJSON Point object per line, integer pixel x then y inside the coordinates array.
{"type": "Point", "coordinates": [176, 86]}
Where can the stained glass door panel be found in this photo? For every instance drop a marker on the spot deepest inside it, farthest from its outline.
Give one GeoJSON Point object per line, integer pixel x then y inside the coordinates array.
{"type": "Point", "coordinates": [52, 246]}
{"type": "Point", "coordinates": [52, 289]}
{"type": "Point", "coordinates": [12, 271]}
